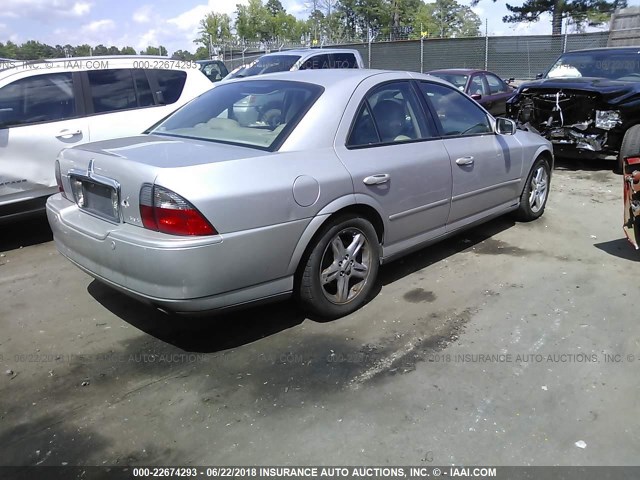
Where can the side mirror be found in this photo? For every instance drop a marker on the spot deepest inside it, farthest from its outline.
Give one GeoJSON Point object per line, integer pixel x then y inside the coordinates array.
{"type": "Point", "coordinates": [539, 76]}
{"type": "Point", "coordinates": [505, 126]}
{"type": "Point", "coordinates": [476, 96]}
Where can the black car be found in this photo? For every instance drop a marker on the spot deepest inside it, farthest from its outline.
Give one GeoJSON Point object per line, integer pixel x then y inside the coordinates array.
{"type": "Point", "coordinates": [587, 104]}
{"type": "Point", "coordinates": [214, 70]}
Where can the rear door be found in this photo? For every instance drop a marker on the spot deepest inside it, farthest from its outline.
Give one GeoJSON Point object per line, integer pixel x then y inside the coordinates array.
{"type": "Point", "coordinates": [397, 163]}
{"type": "Point", "coordinates": [39, 116]}
{"type": "Point", "coordinates": [486, 167]}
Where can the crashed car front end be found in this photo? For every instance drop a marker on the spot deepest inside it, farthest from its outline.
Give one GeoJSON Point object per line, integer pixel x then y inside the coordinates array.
{"type": "Point", "coordinates": [578, 123]}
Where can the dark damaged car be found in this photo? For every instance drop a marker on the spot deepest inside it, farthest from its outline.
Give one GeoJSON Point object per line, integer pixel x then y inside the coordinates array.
{"type": "Point", "coordinates": [587, 104]}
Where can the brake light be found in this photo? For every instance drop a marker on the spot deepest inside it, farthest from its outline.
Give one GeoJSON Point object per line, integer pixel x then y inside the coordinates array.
{"type": "Point", "coordinates": [167, 212]}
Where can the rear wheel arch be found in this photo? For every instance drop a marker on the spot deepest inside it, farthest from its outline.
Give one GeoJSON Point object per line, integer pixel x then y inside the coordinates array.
{"type": "Point", "coordinates": [318, 224]}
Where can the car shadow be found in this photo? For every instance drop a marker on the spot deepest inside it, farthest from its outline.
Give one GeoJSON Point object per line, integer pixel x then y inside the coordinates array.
{"type": "Point", "coordinates": [575, 164]}
{"type": "Point", "coordinates": [26, 232]}
{"type": "Point", "coordinates": [212, 333]}
{"type": "Point", "coordinates": [202, 333]}
{"type": "Point", "coordinates": [620, 248]}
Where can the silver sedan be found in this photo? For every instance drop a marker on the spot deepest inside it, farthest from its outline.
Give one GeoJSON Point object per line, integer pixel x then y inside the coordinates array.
{"type": "Point", "coordinates": [341, 171]}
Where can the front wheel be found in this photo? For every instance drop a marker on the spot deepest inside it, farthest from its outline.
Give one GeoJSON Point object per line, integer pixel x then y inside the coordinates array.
{"type": "Point", "coordinates": [341, 269]}
{"type": "Point", "coordinates": [536, 191]}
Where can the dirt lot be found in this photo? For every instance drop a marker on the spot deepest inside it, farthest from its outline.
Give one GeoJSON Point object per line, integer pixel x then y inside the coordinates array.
{"type": "Point", "coordinates": [99, 379]}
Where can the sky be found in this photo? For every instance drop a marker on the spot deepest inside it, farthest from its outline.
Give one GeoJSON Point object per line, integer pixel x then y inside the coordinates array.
{"type": "Point", "coordinates": [140, 23]}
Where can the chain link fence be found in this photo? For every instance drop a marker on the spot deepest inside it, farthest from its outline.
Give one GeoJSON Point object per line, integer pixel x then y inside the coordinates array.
{"type": "Point", "coordinates": [520, 57]}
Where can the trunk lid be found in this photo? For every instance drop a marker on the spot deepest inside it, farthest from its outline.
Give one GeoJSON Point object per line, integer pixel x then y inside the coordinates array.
{"type": "Point", "coordinates": [126, 164]}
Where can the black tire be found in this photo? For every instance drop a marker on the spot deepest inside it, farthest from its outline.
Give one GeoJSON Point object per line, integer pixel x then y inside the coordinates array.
{"type": "Point", "coordinates": [531, 209]}
{"type": "Point", "coordinates": [630, 146]}
{"type": "Point", "coordinates": [317, 296]}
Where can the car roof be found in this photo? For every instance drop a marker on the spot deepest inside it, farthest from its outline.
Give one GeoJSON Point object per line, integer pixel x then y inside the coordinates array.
{"type": "Point", "coordinates": [307, 51]}
{"type": "Point", "coordinates": [13, 66]}
{"type": "Point", "coordinates": [331, 77]}
{"type": "Point", "coordinates": [604, 49]}
{"type": "Point", "coordinates": [460, 71]}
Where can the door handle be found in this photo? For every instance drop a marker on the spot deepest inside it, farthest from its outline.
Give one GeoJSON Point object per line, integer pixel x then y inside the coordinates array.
{"type": "Point", "coordinates": [377, 179]}
{"type": "Point", "coordinates": [66, 133]}
{"type": "Point", "coordinates": [465, 161]}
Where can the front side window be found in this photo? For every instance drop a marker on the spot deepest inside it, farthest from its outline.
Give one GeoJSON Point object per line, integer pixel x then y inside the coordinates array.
{"type": "Point", "coordinates": [390, 113]}
{"type": "Point", "coordinates": [496, 85]}
{"type": "Point", "coordinates": [258, 114]}
{"type": "Point", "coordinates": [40, 98]}
{"type": "Point", "coordinates": [112, 90]}
{"type": "Point", "coordinates": [457, 114]}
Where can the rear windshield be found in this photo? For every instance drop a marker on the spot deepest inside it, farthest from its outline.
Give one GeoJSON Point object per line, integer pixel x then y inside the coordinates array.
{"type": "Point", "coordinates": [258, 114]}
{"type": "Point", "coordinates": [267, 64]}
{"type": "Point", "coordinates": [614, 65]}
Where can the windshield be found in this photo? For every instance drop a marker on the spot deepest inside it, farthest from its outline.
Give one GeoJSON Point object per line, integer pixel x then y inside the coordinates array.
{"type": "Point", "coordinates": [258, 114]}
{"type": "Point", "coordinates": [456, 79]}
{"type": "Point", "coordinates": [618, 65]}
{"type": "Point", "coordinates": [267, 64]}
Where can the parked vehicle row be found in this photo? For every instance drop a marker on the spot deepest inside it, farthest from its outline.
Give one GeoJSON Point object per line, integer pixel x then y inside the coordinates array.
{"type": "Point", "coordinates": [363, 167]}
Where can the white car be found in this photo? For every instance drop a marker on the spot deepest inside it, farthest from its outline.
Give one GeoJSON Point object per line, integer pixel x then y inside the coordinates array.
{"type": "Point", "coordinates": [49, 105]}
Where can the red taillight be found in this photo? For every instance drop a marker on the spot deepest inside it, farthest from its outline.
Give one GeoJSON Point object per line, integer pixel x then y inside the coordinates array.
{"type": "Point", "coordinates": [167, 212]}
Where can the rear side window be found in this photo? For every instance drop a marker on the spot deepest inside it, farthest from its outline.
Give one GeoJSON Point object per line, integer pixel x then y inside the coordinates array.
{"type": "Point", "coordinates": [391, 113]}
{"type": "Point", "coordinates": [170, 84]}
{"type": "Point", "coordinates": [496, 85]}
{"type": "Point", "coordinates": [316, 62]}
{"type": "Point", "coordinates": [40, 98]}
{"type": "Point", "coordinates": [344, 60]}
{"type": "Point", "coordinates": [112, 90]}
{"type": "Point", "coordinates": [143, 90]}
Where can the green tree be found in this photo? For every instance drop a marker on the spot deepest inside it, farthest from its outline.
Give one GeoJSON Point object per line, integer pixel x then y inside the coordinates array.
{"type": "Point", "coordinates": [182, 55]}
{"type": "Point", "coordinates": [100, 50]}
{"type": "Point", "coordinates": [161, 50]}
{"type": "Point", "coordinates": [128, 51]}
{"type": "Point", "coordinates": [82, 51]}
{"type": "Point", "coordinates": [202, 53]}
{"type": "Point", "coordinates": [214, 28]}
{"type": "Point", "coordinates": [581, 12]}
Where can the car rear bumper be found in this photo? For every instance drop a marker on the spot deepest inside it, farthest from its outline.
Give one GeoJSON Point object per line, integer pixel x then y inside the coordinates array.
{"type": "Point", "coordinates": [177, 274]}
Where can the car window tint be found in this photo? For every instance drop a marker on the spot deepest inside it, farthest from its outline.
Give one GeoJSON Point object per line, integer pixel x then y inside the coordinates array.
{"type": "Point", "coordinates": [40, 98]}
{"type": "Point", "coordinates": [143, 90]}
{"type": "Point", "coordinates": [213, 70]}
{"type": "Point", "coordinates": [171, 83]}
{"type": "Point", "coordinates": [316, 62]}
{"type": "Point", "coordinates": [395, 113]}
{"type": "Point", "coordinates": [112, 90]}
{"type": "Point", "coordinates": [476, 86]}
{"type": "Point", "coordinates": [344, 60]}
{"type": "Point", "coordinates": [457, 114]}
{"type": "Point", "coordinates": [496, 85]}
{"type": "Point", "coordinates": [364, 131]}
